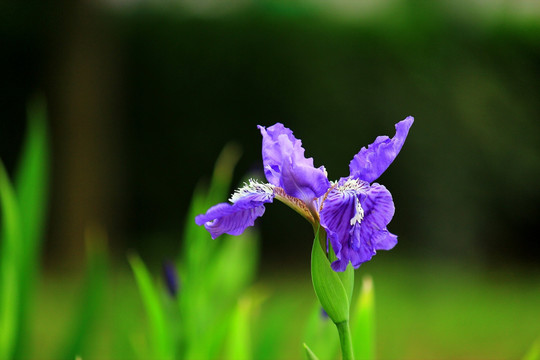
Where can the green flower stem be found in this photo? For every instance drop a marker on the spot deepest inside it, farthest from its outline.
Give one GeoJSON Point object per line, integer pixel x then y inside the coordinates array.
{"type": "Point", "coordinates": [345, 340]}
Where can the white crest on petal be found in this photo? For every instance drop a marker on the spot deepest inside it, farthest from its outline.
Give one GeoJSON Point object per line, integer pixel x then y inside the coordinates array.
{"type": "Point", "coordinates": [252, 187]}
{"type": "Point", "coordinates": [359, 213]}
{"type": "Point", "coordinates": [352, 185]}
{"type": "Point", "coordinates": [355, 187]}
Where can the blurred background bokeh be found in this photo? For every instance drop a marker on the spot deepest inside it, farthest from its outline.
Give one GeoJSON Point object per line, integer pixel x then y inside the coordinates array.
{"type": "Point", "coordinates": [143, 95]}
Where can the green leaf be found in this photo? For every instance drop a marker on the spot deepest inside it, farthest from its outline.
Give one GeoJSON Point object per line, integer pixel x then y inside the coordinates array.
{"type": "Point", "coordinates": [197, 250]}
{"type": "Point", "coordinates": [347, 276]}
{"type": "Point", "coordinates": [238, 346]}
{"type": "Point", "coordinates": [31, 185]}
{"type": "Point", "coordinates": [31, 180]}
{"type": "Point", "coordinates": [274, 330]}
{"type": "Point", "coordinates": [347, 279]}
{"type": "Point", "coordinates": [534, 351]}
{"type": "Point", "coordinates": [92, 295]}
{"type": "Point", "coordinates": [160, 337]}
{"type": "Point", "coordinates": [234, 266]}
{"type": "Point", "coordinates": [11, 248]}
{"type": "Point", "coordinates": [223, 173]}
{"type": "Point", "coordinates": [321, 333]}
{"type": "Point", "coordinates": [211, 269]}
{"type": "Point", "coordinates": [328, 285]}
{"type": "Point", "coordinates": [309, 354]}
{"type": "Point", "coordinates": [363, 323]}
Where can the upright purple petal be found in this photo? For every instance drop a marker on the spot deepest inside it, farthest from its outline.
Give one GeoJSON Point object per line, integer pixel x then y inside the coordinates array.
{"type": "Point", "coordinates": [272, 153]}
{"type": "Point", "coordinates": [286, 166]}
{"type": "Point", "coordinates": [370, 163]}
{"type": "Point", "coordinates": [247, 205]}
{"type": "Point", "coordinates": [355, 216]}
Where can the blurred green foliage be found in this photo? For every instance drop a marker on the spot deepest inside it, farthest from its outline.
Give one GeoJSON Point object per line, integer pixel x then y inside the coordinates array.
{"type": "Point", "coordinates": [23, 210]}
{"type": "Point", "coordinates": [423, 312]}
{"type": "Point", "coordinates": [80, 334]}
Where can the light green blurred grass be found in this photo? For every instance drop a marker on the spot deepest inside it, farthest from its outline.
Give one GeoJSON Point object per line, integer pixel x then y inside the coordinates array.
{"type": "Point", "coordinates": [423, 311]}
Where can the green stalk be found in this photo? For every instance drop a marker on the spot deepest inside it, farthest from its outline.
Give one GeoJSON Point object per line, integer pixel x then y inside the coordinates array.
{"type": "Point", "coordinates": [345, 340]}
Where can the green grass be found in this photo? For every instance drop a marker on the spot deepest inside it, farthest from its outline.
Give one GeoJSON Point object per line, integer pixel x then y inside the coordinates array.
{"type": "Point", "coordinates": [22, 208]}
{"type": "Point", "coordinates": [423, 311]}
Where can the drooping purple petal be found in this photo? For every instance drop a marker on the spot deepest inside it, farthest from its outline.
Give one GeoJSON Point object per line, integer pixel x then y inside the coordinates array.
{"type": "Point", "coordinates": [286, 166]}
{"type": "Point", "coordinates": [378, 206]}
{"type": "Point", "coordinates": [384, 240]}
{"type": "Point", "coordinates": [247, 205]}
{"type": "Point", "coordinates": [355, 256]}
{"type": "Point", "coordinates": [355, 216]}
{"type": "Point", "coordinates": [372, 161]}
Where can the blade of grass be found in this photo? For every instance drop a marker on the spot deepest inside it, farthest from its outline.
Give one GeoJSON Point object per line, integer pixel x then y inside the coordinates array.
{"type": "Point", "coordinates": [31, 185]}
{"type": "Point", "coordinates": [160, 337]}
{"type": "Point", "coordinates": [196, 247]}
{"type": "Point", "coordinates": [223, 172]}
{"type": "Point", "coordinates": [31, 180]}
{"type": "Point", "coordinates": [234, 266]}
{"type": "Point", "coordinates": [11, 248]}
{"type": "Point", "coordinates": [198, 310]}
{"type": "Point", "coordinates": [194, 256]}
{"type": "Point", "coordinates": [197, 251]}
{"type": "Point", "coordinates": [225, 278]}
{"type": "Point", "coordinates": [534, 351]}
{"type": "Point", "coordinates": [92, 294]}
{"type": "Point", "coordinates": [310, 355]}
{"type": "Point", "coordinates": [321, 333]}
{"type": "Point", "coordinates": [238, 346]}
{"type": "Point", "coordinates": [274, 330]}
{"type": "Point", "coordinates": [363, 323]}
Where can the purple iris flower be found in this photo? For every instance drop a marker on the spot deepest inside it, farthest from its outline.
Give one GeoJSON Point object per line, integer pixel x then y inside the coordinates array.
{"type": "Point", "coordinates": [354, 211]}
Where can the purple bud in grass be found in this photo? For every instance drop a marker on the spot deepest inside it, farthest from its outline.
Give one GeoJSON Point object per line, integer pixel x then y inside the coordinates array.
{"type": "Point", "coordinates": [170, 275]}
{"type": "Point", "coordinates": [324, 314]}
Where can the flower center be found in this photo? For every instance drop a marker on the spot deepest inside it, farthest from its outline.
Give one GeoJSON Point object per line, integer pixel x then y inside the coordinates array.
{"type": "Point", "coordinates": [296, 204]}
{"type": "Point", "coordinates": [351, 185]}
{"type": "Point", "coordinates": [354, 186]}
{"type": "Point", "coordinates": [252, 187]}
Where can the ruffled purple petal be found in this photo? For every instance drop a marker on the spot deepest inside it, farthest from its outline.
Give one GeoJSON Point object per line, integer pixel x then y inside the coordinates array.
{"type": "Point", "coordinates": [272, 153]}
{"type": "Point", "coordinates": [378, 206]}
{"type": "Point", "coordinates": [370, 163]}
{"type": "Point", "coordinates": [233, 219]}
{"type": "Point", "coordinates": [286, 166]}
{"type": "Point", "coordinates": [356, 256]}
{"type": "Point", "coordinates": [384, 240]}
{"type": "Point", "coordinates": [355, 216]}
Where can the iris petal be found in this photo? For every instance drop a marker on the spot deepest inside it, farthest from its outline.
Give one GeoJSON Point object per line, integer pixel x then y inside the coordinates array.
{"type": "Point", "coordinates": [384, 240]}
{"type": "Point", "coordinates": [372, 161]}
{"type": "Point", "coordinates": [233, 219]}
{"type": "Point", "coordinates": [355, 216]}
{"type": "Point", "coordinates": [355, 256]}
{"type": "Point", "coordinates": [286, 166]}
{"type": "Point", "coordinates": [379, 206]}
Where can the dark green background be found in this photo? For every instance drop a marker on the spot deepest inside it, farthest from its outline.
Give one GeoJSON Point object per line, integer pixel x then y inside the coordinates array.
{"type": "Point", "coordinates": [142, 100]}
